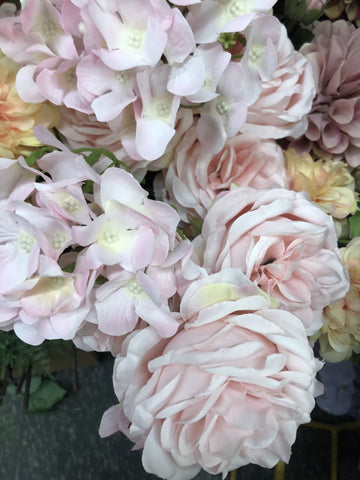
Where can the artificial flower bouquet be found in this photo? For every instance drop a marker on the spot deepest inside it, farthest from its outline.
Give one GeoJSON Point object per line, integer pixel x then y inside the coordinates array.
{"type": "Point", "coordinates": [176, 181]}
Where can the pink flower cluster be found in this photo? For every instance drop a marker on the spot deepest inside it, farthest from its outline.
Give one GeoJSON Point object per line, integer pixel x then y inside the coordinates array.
{"type": "Point", "coordinates": [48, 286]}
{"type": "Point", "coordinates": [136, 64]}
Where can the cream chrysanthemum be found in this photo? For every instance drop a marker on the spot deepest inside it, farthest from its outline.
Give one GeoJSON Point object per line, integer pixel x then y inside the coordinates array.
{"type": "Point", "coordinates": [340, 334]}
{"type": "Point", "coordinates": [17, 118]}
{"type": "Point", "coordinates": [329, 183]}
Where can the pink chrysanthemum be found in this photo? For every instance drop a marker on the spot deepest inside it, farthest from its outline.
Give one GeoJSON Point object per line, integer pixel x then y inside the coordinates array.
{"type": "Point", "coordinates": [334, 121]}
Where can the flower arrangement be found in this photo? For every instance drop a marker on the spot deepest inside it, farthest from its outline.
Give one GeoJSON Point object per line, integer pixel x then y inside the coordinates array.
{"type": "Point", "coordinates": [177, 179]}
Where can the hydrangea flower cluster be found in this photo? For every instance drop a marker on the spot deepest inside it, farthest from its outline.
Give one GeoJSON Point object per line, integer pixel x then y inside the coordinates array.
{"type": "Point", "coordinates": [206, 279]}
{"type": "Point", "coordinates": [136, 64]}
{"type": "Point", "coordinates": [56, 247]}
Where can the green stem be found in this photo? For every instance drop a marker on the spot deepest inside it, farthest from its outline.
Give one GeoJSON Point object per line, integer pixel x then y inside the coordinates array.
{"type": "Point", "coordinates": [279, 470]}
{"type": "Point", "coordinates": [232, 475]}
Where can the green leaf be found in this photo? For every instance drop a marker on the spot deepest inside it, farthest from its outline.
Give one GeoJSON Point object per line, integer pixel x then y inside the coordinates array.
{"type": "Point", "coordinates": [35, 383]}
{"type": "Point", "coordinates": [300, 36]}
{"type": "Point", "coordinates": [45, 397]}
{"type": "Point", "coordinates": [93, 157]}
{"type": "Point", "coordinates": [97, 152]}
{"type": "Point", "coordinates": [296, 10]}
{"type": "Point", "coordinates": [11, 389]}
{"type": "Point", "coordinates": [35, 155]}
{"type": "Point", "coordinates": [354, 223]}
{"type": "Point", "coordinates": [88, 186]}
{"type": "Point", "coordinates": [334, 9]}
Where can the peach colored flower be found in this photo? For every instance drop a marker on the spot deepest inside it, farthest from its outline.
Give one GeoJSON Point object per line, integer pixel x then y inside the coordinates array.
{"type": "Point", "coordinates": [227, 390]}
{"type": "Point", "coordinates": [283, 242]}
{"type": "Point", "coordinates": [329, 183]}
{"type": "Point", "coordinates": [18, 118]}
{"type": "Point", "coordinates": [334, 121]}
{"type": "Point", "coordinates": [196, 176]}
{"type": "Point", "coordinates": [340, 334]}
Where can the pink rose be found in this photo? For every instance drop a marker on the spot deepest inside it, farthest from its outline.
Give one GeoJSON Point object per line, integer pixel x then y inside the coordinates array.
{"type": "Point", "coordinates": [283, 242]}
{"type": "Point", "coordinates": [196, 176]}
{"type": "Point", "coordinates": [82, 130]}
{"type": "Point", "coordinates": [227, 390]}
{"type": "Point", "coordinates": [287, 83]}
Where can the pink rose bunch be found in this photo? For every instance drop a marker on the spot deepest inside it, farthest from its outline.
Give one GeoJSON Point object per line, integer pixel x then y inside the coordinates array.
{"type": "Point", "coordinates": [213, 369]}
{"type": "Point", "coordinates": [283, 242]}
{"type": "Point", "coordinates": [230, 388]}
{"type": "Point", "coordinates": [334, 127]}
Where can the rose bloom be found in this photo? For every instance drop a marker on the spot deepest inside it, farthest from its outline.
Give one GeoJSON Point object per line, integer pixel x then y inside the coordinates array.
{"type": "Point", "coordinates": [229, 389]}
{"type": "Point", "coordinates": [287, 92]}
{"type": "Point", "coordinates": [329, 183]}
{"type": "Point", "coordinates": [334, 121]}
{"type": "Point", "coordinates": [18, 118]}
{"type": "Point", "coordinates": [196, 176]}
{"type": "Point", "coordinates": [283, 242]}
{"type": "Point", "coordinates": [340, 334]}
{"type": "Point", "coordinates": [82, 130]}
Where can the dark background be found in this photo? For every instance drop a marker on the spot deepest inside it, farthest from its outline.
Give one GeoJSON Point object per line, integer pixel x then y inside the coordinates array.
{"type": "Point", "coordinates": [64, 443]}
